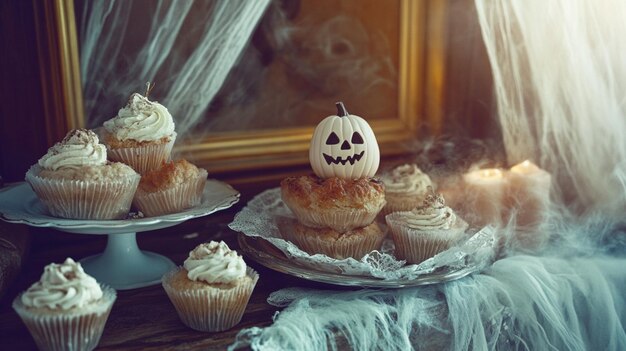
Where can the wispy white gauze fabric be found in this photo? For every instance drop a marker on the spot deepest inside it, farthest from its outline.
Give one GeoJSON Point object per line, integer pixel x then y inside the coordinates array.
{"type": "Point", "coordinates": [520, 303]}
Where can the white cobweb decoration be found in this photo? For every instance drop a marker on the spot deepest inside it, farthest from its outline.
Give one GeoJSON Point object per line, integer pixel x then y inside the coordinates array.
{"type": "Point", "coordinates": [519, 303]}
{"type": "Point", "coordinates": [259, 219]}
{"type": "Point", "coordinates": [560, 77]}
{"type": "Point", "coordinates": [115, 60]}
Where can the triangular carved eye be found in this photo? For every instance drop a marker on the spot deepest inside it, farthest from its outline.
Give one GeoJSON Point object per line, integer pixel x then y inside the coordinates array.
{"type": "Point", "coordinates": [357, 138]}
{"type": "Point", "coordinates": [333, 139]}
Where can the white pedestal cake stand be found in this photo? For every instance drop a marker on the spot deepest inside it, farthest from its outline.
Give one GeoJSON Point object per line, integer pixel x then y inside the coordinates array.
{"type": "Point", "coordinates": [122, 265]}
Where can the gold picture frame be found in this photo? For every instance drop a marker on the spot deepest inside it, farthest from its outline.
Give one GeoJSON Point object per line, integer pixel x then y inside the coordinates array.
{"type": "Point", "coordinates": [420, 90]}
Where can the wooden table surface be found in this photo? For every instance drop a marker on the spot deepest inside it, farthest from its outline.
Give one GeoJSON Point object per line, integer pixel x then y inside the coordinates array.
{"type": "Point", "coordinates": [144, 318]}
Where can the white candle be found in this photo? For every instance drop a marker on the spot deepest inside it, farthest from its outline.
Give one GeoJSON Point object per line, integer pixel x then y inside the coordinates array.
{"type": "Point", "coordinates": [528, 198]}
{"type": "Point", "coordinates": [484, 192]}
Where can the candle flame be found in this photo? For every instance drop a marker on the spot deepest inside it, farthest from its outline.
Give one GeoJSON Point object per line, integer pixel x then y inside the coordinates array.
{"type": "Point", "coordinates": [491, 173]}
{"type": "Point", "coordinates": [525, 167]}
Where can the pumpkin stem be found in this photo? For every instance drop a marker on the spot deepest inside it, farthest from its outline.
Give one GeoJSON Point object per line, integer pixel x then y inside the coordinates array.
{"type": "Point", "coordinates": [341, 109]}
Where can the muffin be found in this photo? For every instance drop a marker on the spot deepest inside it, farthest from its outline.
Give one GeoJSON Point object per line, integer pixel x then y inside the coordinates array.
{"type": "Point", "coordinates": [426, 230]}
{"type": "Point", "coordinates": [66, 309]}
{"type": "Point", "coordinates": [141, 135]}
{"type": "Point", "coordinates": [74, 180]}
{"type": "Point", "coordinates": [336, 203]}
{"type": "Point", "coordinates": [405, 188]}
{"type": "Point", "coordinates": [354, 243]}
{"type": "Point", "coordinates": [335, 208]}
{"type": "Point", "coordinates": [176, 186]}
{"type": "Point", "coordinates": [211, 291]}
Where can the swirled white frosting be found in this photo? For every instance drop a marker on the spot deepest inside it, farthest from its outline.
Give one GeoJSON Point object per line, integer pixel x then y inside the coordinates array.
{"type": "Point", "coordinates": [434, 214]}
{"type": "Point", "coordinates": [62, 286]}
{"type": "Point", "coordinates": [406, 179]}
{"type": "Point", "coordinates": [80, 147]}
{"type": "Point", "coordinates": [141, 120]}
{"type": "Point", "coordinates": [214, 263]}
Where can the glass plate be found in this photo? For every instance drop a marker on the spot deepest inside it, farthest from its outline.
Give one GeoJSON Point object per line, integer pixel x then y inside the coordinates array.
{"type": "Point", "coordinates": [260, 222]}
{"type": "Point", "coordinates": [269, 256]}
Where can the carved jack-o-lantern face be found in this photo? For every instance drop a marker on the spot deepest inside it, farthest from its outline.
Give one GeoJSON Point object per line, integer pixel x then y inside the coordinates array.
{"type": "Point", "coordinates": [344, 146]}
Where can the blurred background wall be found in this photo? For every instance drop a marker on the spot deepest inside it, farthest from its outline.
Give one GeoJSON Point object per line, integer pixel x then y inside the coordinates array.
{"type": "Point", "coordinates": [24, 137]}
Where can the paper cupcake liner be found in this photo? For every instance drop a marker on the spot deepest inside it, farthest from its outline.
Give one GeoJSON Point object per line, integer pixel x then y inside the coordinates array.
{"type": "Point", "coordinates": [67, 330]}
{"type": "Point", "coordinates": [145, 158]}
{"type": "Point", "coordinates": [340, 220]}
{"type": "Point", "coordinates": [417, 246]}
{"type": "Point", "coordinates": [77, 199]}
{"type": "Point", "coordinates": [172, 200]}
{"type": "Point", "coordinates": [211, 309]}
{"type": "Point", "coordinates": [348, 245]}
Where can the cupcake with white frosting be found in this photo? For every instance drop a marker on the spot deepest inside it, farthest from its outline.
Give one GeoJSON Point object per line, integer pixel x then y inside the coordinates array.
{"type": "Point", "coordinates": [75, 180]}
{"type": "Point", "coordinates": [66, 309]}
{"type": "Point", "coordinates": [406, 187]}
{"type": "Point", "coordinates": [141, 135]}
{"type": "Point", "coordinates": [426, 230]}
{"type": "Point", "coordinates": [211, 291]}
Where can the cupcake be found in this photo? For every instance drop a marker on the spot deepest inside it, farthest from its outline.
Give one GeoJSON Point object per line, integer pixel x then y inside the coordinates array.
{"type": "Point", "coordinates": [354, 243]}
{"type": "Point", "coordinates": [426, 230]}
{"type": "Point", "coordinates": [335, 208]}
{"type": "Point", "coordinates": [66, 309]}
{"type": "Point", "coordinates": [335, 203]}
{"type": "Point", "coordinates": [141, 135]}
{"type": "Point", "coordinates": [176, 186]}
{"type": "Point", "coordinates": [74, 180]}
{"type": "Point", "coordinates": [405, 188]}
{"type": "Point", "coordinates": [211, 291]}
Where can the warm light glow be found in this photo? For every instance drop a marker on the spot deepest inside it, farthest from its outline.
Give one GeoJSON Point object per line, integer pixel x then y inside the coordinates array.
{"type": "Point", "coordinates": [491, 173]}
{"type": "Point", "coordinates": [487, 174]}
{"type": "Point", "coordinates": [525, 167]}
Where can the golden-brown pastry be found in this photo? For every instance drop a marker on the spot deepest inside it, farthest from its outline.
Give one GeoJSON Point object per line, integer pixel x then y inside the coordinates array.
{"type": "Point", "coordinates": [336, 203]}
{"type": "Point", "coordinates": [176, 186]}
{"type": "Point", "coordinates": [353, 243]}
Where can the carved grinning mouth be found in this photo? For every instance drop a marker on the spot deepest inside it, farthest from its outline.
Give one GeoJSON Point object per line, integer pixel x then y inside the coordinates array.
{"type": "Point", "coordinates": [352, 159]}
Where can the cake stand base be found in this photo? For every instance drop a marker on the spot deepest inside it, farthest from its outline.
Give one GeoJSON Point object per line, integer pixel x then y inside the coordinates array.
{"type": "Point", "coordinates": [123, 266]}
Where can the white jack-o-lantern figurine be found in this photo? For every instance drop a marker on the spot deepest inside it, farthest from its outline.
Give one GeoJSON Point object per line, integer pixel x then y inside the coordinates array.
{"type": "Point", "coordinates": [344, 146]}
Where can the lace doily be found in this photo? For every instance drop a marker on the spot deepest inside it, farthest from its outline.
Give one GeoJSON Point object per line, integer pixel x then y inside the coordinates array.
{"type": "Point", "coordinates": [258, 219]}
